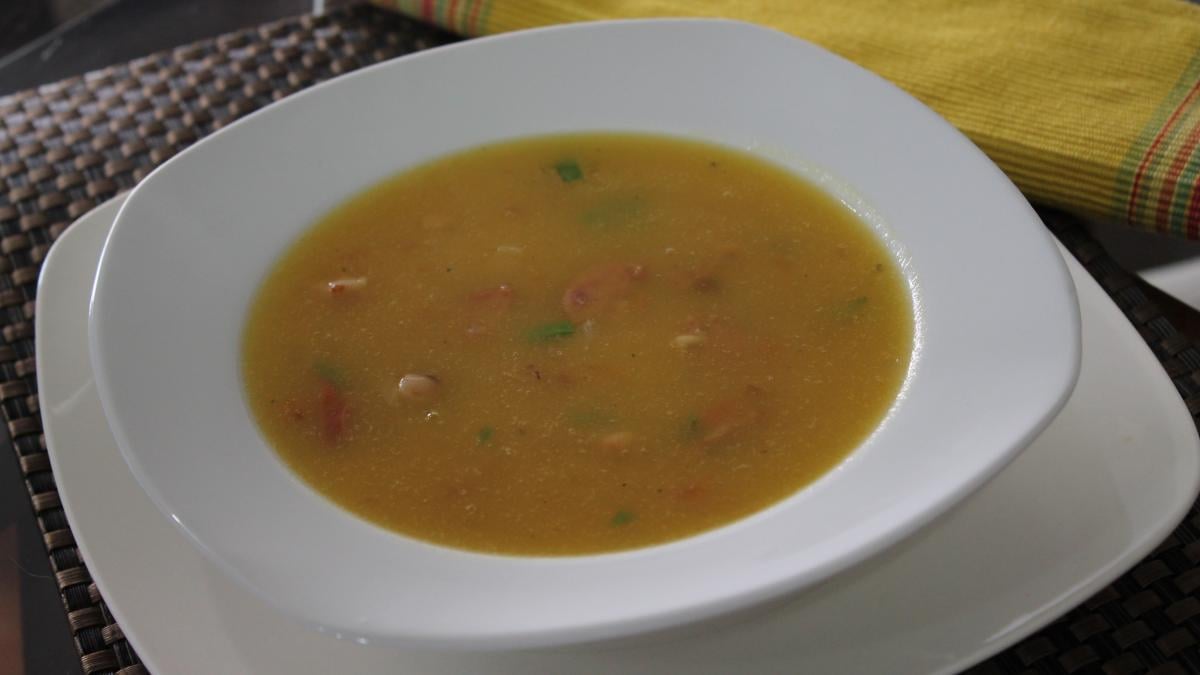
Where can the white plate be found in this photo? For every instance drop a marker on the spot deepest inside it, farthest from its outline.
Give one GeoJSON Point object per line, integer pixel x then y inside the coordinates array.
{"type": "Point", "coordinates": [1106, 481]}
{"type": "Point", "coordinates": [192, 243]}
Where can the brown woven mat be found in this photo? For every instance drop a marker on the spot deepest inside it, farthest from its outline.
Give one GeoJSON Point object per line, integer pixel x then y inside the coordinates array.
{"type": "Point", "coordinates": [69, 146]}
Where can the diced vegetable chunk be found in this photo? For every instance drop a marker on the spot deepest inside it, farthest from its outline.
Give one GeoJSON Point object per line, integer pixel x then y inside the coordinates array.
{"type": "Point", "coordinates": [724, 418]}
{"type": "Point", "coordinates": [599, 288]}
{"type": "Point", "coordinates": [623, 517]}
{"type": "Point", "coordinates": [852, 307]}
{"type": "Point", "coordinates": [497, 296]}
{"type": "Point", "coordinates": [552, 331]}
{"type": "Point", "coordinates": [568, 170]}
{"type": "Point", "coordinates": [332, 407]}
{"type": "Point", "coordinates": [329, 372]}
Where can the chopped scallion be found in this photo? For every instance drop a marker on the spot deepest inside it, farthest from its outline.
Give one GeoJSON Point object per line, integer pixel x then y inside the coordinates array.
{"type": "Point", "coordinates": [623, 517]}
{"type": "Point", "coordinates": [329, 372]}
{"type": "Point", "coordinates": [568, 170]}
{"type": "Point", "coordinates": [552, 331]}
{"type": "Point", "coordinates": [851, 308]}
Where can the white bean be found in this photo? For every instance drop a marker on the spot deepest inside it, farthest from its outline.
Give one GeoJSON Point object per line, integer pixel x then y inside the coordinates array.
{"type": "Point", "coordinates": [339, 286]}
{"type": "Point", "coordinates": [687, 341]}
{"type": "Point", "coordinates": [418, 387]}
{"type": "Point", "coordinates": [618, 440]}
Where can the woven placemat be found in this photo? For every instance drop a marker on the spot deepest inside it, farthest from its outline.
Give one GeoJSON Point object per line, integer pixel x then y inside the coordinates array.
{"type": "Point", "coordinates": [68, 146]}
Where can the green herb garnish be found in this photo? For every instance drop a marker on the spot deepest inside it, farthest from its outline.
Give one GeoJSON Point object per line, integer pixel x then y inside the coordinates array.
{"type": "Point", "coordinates": [329, 372]}
{"type": "Point", "coordinates": [485, 435]}
{"type": "Point", "coordinates": [568, 170]}
{"type": "Point", "coordinates": [691, 428]}
{"type": "Point", "coordinates": [851, 308]}
{"type": "Point", "coordinates": [590, 417]}
{"type": "Point", "coordinates": [623, 517]}
{"type": "Point", "coordinates": [621, 211]}
{"type": "Point", "coordinates": [552, 331]}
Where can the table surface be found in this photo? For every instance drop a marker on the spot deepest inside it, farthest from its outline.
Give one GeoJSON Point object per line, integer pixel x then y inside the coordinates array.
{"type": "Point", "coordinates": [47, 40]}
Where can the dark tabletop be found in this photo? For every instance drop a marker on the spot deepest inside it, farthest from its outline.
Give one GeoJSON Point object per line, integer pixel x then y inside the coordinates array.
{"type": "Point", "coordinates": [45, 41]}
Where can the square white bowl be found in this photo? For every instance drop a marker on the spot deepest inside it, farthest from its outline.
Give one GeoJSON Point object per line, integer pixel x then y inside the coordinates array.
{"type": "Point", "coordinates": [996, 355]}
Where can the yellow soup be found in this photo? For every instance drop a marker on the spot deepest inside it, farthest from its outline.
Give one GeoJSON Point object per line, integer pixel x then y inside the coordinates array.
{"type": "Point", "coordinates": [576, 344]}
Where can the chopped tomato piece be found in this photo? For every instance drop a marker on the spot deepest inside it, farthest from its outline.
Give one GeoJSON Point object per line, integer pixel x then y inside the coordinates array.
{"type": "Point", "coordinates": [722, 419]}
{"type": "Point", "coordinates": [499, 297]}
{"type": "Point", "coordinates": [486, 307]}
{"type": "Point", "coordinates": [598, 288]}
{"type": "Point", "coordinates": [332, 407]}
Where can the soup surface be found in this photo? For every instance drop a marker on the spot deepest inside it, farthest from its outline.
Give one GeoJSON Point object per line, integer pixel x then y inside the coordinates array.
{"type": "Point", "coordinates": [576, 344]}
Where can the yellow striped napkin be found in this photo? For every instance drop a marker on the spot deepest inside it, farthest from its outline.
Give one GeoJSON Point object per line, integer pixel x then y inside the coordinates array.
{"type": "Point", "coordinates": [1092, 106]}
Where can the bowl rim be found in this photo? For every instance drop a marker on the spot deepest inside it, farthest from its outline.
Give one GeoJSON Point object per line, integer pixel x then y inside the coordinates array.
{"type": "Point", "coordinates": [102, 336]}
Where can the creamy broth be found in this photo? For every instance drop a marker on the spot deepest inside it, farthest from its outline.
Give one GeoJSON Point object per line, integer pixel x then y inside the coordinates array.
{"type": "Point", "coordinates": [576, 344]}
